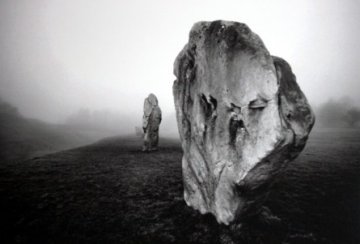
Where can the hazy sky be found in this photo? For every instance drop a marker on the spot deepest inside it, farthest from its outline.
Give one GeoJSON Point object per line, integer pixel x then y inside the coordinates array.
{"type": "Point", "coordinates": [57, 56]}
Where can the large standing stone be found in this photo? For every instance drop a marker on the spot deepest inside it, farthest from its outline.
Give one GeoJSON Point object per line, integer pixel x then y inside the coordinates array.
{"type": "Point", "coordinates": [241, 116]}
{"type": "Point", "coordinates": [151, 123]}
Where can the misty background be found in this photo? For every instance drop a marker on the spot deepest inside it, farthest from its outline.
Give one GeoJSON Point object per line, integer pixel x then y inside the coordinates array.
{"type": "Point", "coordinates": [88, 65]}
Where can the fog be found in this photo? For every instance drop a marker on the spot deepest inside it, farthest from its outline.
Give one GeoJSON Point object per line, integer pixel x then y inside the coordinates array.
{"type": "Point", "coordinates": [338, 113]}
{"type": "Point", "coordinates": [61, 57]}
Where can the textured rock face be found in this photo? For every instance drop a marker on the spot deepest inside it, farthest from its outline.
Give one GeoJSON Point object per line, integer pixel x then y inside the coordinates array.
{"type": "Point", "coordinates": [151, 123]}
{"type": "Point", "coordinates": [240, 113]}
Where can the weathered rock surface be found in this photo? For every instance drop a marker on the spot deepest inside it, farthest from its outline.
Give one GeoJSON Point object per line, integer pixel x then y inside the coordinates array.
{"type": "Point", "coordinates": [241, 117]}
{"type": "Point", "coordinates": [151, 123]}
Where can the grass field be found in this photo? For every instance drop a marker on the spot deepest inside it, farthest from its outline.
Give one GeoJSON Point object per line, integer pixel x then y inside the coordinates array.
{"type": "Point", "coordinates": [21, 138]}
{"type": "Point", "coordinates": [111, 192]}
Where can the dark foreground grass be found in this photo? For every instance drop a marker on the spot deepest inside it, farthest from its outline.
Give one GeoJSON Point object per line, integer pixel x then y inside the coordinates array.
{"type": "Point", "coordinates": [111, 192]}
{"type": "Point", "coordinates": [106, 192]}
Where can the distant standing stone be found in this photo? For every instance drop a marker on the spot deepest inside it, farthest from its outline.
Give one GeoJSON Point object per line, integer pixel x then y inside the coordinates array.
{"type": "Point", "coordinates": [151, 123]}
{"type": "Point", "coordinates": [241, 117]}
